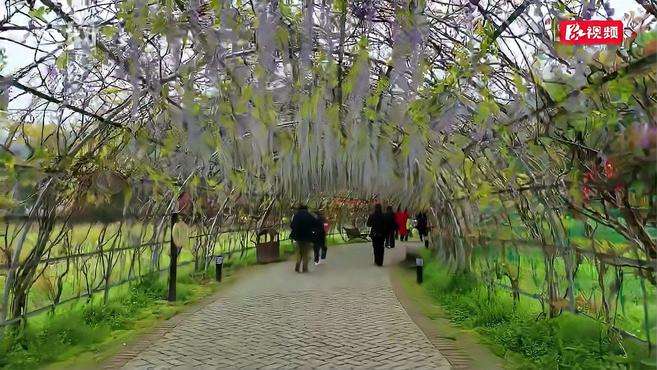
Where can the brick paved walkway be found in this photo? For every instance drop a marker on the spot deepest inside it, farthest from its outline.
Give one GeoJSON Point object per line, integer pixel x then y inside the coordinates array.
{"type": "Point", "coordinates": [341, 315]}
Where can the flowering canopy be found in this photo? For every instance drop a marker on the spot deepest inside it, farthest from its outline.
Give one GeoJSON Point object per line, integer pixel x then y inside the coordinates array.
{"type": "Point", "coordinates": [233, 111]}
{"type": "Point", "coordinates": [465, 106]}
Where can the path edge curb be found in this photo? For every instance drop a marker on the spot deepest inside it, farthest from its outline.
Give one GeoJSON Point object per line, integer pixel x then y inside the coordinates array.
{"type": "Point", "coordinates": [457, 359]}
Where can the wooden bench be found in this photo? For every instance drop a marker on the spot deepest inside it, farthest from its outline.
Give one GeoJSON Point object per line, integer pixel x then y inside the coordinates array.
{"type": "Point", "coordinates": [354, 233]}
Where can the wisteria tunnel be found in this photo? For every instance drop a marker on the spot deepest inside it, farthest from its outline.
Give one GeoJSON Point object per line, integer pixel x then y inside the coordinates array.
{"type": "Point", "coordinates": [157, 158]}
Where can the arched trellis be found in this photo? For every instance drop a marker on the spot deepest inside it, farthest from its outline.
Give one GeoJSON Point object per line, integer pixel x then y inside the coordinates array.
{"type": "Point", "coordinates": [437, 105]}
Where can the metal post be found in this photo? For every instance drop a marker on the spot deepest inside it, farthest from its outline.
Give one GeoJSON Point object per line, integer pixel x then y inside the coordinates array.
{"type": "Point", "coordinates": [218, 265]}
{"type": "Point", "coordinates": [173, 264]}
{"type": "Point", "coordinates": [419, 265]}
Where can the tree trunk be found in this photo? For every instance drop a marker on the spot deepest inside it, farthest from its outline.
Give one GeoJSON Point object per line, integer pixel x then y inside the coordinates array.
{"type": "Point", "coordinates": [25, 276]}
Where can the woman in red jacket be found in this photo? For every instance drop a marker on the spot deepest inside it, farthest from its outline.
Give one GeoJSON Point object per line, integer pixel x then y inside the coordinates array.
{"type": "Point", "coordinates": [401, 217]}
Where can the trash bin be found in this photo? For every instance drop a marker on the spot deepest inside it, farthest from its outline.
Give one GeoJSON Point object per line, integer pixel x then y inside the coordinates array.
{"type": "Point", "coordinates": [267, 246]}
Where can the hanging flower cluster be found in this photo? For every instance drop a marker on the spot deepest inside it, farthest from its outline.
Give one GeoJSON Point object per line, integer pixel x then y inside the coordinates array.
{"type": "Point", "coordinates": [349, 202]}
{"type": "Point", "coordinates": [599, 179]}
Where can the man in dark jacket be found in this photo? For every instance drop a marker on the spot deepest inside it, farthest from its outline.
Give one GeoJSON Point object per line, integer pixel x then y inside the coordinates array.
{"type": "Point", "coordinates": [378, 232]}
{"type": "Point", "coordinates": [423, 227]}
{"type": "Point", "coordinates": [304, 227]}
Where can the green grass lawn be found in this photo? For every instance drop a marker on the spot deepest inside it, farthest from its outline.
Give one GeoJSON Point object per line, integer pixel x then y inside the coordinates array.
{"type": "Point", "coordinates": [520, 335]}
{"type": "Point", "coordinates": [628, 307]}
{"type": "Point", "coordinates": [491, 259]}
{"type": "Point", "coordinates": [91, 331]}
{"type": "Point", "coordinates": [83, 333]}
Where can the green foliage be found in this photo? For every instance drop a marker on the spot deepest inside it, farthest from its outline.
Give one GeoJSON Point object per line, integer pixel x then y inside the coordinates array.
{"type": "Point", "coordinates": [62, 61]}
{"type": "Point", "coordinates": [520, 334]}
{"type": "Point", "coordinates": [55, 338]}
{"type": "Point", "coordinates": [39, 13]}
{"type": "Point", "coordinates": [111, 314]}
{"type": "Point", "coordinates": [117, 314]}
{"type": "Point", "coordinates": [85, 327]}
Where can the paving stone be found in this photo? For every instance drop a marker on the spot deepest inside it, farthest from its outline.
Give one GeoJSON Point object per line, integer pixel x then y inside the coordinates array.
{"type": "Point", "coordinates": [342, 315]}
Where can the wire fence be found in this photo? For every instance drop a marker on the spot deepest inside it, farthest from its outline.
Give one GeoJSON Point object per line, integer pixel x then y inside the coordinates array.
{"type": "Point", "coordinates": [57, 259]}
{"type": "Point", "coordinates": [51, 307]}
{"type": "Point", "coordinates": [101, 281]}
{"type": "Point", "coordinates": [90, 292]}
{"type": "Point", "coordinates": [606, 257]}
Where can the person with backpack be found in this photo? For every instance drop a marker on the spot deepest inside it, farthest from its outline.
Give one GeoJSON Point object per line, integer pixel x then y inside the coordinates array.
{"type": "Point", "coordinates": [303, 230]}
{"type": "Point", "coordinates": [378, 232]}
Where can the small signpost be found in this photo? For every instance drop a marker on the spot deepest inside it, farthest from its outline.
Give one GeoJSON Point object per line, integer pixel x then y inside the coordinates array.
{"type": "Point", "coordinates": [419, 265]}
{"type": "Point", "coordinates": [218, 264]}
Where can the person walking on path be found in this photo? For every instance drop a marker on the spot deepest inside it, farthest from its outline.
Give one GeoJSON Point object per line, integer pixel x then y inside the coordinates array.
{"type": "Point", "coordinates": [391, 227]}
{"type": "Point", "coordinates": [319, 245]}
{"type": "Point", "coordinates": [422, 226]}
{"type": "Point", "coordinates": [401, 217]}
{"type": "Point", "coordinates": [378, 232]}
{"type": "Point", "coordinates": [303, 228]}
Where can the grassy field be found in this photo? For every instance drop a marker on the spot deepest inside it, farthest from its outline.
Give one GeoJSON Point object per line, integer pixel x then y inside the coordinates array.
{"type": "Point", "coordinates": [89, 332]}
{"type": "Point", "coordinates": [604, 238]}
{"type": "Point", "coordinates": [85, 332]}
{"type": "Point", "coordinates": [496, 262]}
{"type": "Point", "coordinates": [86, 274]}
{"type": "Point", "coordinates": [518, 334]}
{"type": "Point", "coordinates": [528, 262]}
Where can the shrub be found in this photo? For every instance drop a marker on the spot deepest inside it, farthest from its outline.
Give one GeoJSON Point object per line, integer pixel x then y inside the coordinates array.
{"type": "Point", "coordinates": [491, 313]}
{"type": "Point", "coordinates": [82, 327]}
{"type": "Point", "coordinates": [49, 341]}
{"type": "Point", "coordinates": [112, 314]}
